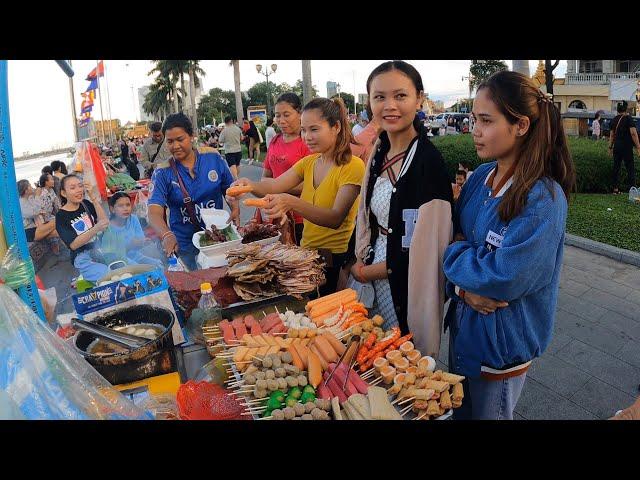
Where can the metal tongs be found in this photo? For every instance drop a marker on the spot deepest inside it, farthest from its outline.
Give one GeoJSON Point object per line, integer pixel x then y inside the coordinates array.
{"type": "Point", "coordinates": [119, 338]}
{"type": "Point", "coordinates": [352, 361]}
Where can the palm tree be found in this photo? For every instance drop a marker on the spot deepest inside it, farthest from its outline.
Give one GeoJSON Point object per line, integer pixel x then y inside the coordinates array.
{"type": "Point", "coordinates": [236, 81]}
{"type": "Point", "coordinates": [172, 71]}
{"type": "Point", "coordinates": [194, 82]}
{"type": "Point", "coordinates": [158, 101]}
{"type": "Point", "coordinates": [307, 89]}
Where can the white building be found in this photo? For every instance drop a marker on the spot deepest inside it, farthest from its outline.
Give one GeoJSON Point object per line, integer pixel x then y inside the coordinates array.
{"type": "Point", "coordinates": [142, 92]}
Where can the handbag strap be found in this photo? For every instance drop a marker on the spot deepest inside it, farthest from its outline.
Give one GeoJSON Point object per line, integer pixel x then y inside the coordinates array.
{"type": "Point", "coordinates": [153, 159]}
{"type": "Point", "coordinates": [186, 198]}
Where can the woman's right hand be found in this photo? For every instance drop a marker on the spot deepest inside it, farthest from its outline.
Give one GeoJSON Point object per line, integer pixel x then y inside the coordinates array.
{"type": "Point", "coordinates": [356, 269]}
{"type": "Point", "coordinates": [170, 245]}
{"type": "Point", "coordinates": [242, 182]}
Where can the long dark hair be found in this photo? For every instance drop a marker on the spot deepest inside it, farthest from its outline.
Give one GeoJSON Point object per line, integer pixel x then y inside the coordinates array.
{"type": "Point", "coordinates": [63, 185]}
{"type": "Point", "coordinates": [334, 112]}
{"type": "Point", "coordinates": [43, 179]}
{"type": "Point", "coordinates": [406, 68]}
{"type": "Point", "coordinates": [544, 153]}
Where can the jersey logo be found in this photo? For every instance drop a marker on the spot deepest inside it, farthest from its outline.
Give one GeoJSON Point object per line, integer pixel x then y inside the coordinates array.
{"type": "Point", "coordinates": [409, 216]}
{"type": "Point", "coordinates": [213, 176]}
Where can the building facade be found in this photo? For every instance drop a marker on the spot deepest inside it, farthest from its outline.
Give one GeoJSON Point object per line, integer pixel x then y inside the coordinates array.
{"type": "Point", "coordinates": [593, 85]}
{"type": "Point", "coordinates": [332, 89]}
{"type": "Point", "coordinates": [142, 93]}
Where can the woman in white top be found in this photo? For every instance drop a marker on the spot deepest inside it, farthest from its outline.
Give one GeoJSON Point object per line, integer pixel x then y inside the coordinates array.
{"type": "Point", "coordinates": [596, 127]}
{"type": "Point", "coordinates": [270, 132]}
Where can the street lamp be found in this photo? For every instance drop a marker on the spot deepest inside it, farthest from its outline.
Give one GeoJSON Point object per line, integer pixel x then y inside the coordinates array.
{"type": "Point", "coordinates": [266, 73]}
{"type": "Point", "coordinates": [133, 98]}
{"type": "Point", "coordinates": [470, 87]}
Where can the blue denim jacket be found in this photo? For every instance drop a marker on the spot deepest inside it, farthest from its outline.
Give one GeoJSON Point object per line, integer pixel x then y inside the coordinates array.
{"type": "Point", "coordinates": [518, 262]}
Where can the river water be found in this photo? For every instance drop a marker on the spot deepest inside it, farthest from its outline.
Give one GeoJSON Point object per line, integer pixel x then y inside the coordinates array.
{"type": "Point", "coordinates": [31, 169]}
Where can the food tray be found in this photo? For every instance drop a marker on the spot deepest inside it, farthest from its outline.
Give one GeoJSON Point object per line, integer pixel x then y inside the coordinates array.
{"type": "Point", "coordinates": [218, 248]}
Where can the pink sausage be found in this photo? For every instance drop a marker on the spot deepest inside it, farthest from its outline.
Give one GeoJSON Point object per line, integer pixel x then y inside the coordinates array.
{"type": "Point", "coordinates": [357, 382]}
{"type": "Point", "coordinates": [324, 392]}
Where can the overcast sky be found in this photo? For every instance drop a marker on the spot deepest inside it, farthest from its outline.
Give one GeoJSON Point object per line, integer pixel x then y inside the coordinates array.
{"type": "Point", "coordinates": [40, 104]}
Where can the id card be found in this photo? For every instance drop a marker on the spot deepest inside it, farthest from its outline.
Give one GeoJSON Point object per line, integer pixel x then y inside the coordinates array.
{"type": "Point", "coordinates": [493, 241]}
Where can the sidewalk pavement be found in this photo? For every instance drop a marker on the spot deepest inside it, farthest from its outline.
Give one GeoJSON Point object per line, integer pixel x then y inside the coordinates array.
{"type": "Point", "coordinates": [591, 368]}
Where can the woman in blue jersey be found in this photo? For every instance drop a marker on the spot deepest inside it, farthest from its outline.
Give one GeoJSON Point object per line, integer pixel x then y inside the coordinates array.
{"type": "Point", "coordinates": [192, 181]}
{"type": "Point", "coordinates": [503, 271]}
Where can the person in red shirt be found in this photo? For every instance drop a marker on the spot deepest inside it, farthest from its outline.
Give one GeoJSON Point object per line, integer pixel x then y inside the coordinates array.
{"type": "Point", "coordinates": [287, 147]}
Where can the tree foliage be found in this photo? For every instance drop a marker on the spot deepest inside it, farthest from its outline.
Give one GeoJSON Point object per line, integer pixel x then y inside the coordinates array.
{"type": "Point", "coordinates": [218, 103]}
{"type": "Point", "coordinates": [480, 70]}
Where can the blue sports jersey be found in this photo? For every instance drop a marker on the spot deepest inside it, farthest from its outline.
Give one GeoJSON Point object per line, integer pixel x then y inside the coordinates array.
{"type": "Point", "coordinates": [212, 178]}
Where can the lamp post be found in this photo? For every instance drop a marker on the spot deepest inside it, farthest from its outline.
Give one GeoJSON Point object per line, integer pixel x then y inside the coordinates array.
{"type": "Point", "coordinates": [266, 73]}
{"type": "Point", "coordinates": [470, 87]}
{"type": "Point", "coordinates": [133, 98]}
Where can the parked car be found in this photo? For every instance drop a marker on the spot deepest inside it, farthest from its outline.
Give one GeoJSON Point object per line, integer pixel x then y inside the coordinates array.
{"type": "Point", "coordinates": [442, 120]}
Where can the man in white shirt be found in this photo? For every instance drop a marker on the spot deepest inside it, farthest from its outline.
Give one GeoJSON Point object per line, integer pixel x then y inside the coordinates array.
{"type": "Point", "coordinates": [231, 139]}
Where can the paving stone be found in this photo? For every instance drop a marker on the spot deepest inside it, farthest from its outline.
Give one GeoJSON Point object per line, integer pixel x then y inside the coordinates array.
{"type": "Point", "coordinates": [634, 297]}
{"type": "Point", "coordinates": [557, 375]}
{"type": "Point", "coordinates": [537, 402]}
{"type": "Point", "coordinates": [630, 353]}
{"type": "Point", "coordinates": [573, 288]}
{"type": "Point", "coordinates": [626, 326]}
{"type": "Point", "coordinates": [609, 369]}
{"type": "Point", "coordinates": [608, 286]}
{"type": "Point", "coordinates": [630, 277]}
{"type": "Point", "coordinates": [587, 264]}
{"type": "Point", "coordinates": [611, 302]}
{"type": "Point", "coordinates": [591, 333]}
{"type": "Point", "coordinates": [558, 340]}
{"type": "Point", "coordinates": [601, 399]}
{"type": "Point", "coordinates": [580, 307]}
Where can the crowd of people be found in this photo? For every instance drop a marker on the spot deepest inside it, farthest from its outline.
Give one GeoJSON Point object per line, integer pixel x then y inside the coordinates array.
{"type": "Point", "coordinates": [377, 202]}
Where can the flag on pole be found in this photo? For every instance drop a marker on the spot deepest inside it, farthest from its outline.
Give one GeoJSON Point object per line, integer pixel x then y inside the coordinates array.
{"type": "Point", "coordinates": [93, 85]}
{"type": "Point", "coordinates": [98, 71]}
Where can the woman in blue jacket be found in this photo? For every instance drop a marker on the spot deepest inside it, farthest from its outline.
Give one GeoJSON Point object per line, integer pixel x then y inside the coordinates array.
{"type": "Point", "coordinates": [503, 271]}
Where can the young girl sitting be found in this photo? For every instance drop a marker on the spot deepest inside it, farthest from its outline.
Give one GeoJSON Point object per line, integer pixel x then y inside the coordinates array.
{"type": "Point", "coordinates": [124, 238]}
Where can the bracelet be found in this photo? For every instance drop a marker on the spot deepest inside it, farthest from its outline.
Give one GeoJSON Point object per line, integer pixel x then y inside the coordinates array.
{"type": "Point", "coordinates": [166, 234]}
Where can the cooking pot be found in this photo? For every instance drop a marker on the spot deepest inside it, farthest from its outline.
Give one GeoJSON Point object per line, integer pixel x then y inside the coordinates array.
{"type": "Point", "coordinates": [156, 357]}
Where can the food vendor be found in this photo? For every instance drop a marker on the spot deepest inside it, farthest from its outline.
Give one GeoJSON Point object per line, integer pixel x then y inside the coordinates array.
{"type": "Point", "coordinates": [191, 181]}
{"type": "Point", "coordinates": [331, 178]}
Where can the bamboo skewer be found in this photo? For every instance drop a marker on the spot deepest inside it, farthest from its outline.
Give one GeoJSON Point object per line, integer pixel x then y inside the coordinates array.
{"type": "Point", "coordinates": [407, 400]}
{"type": "Point", "coordinates": [421, 416]}
{"type": "Point", "coordinates": [406, 410]}
{"type": "Point", "coordinates": [377, 381]}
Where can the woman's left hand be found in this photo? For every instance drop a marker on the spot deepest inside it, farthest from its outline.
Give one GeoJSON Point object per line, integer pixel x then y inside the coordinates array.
{"type": "Point", "coordinates": [482, 304]}
{"type": "Point", "coordinates": [279, 205]}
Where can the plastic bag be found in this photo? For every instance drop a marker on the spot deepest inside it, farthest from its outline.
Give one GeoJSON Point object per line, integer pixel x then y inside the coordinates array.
{"type": "Point", "coordinates": [14, 271]}
{"type": "Point", "coordinates": [163, 406]}
{"type": "Point", "coordinates": [634, 195]}
{"type": "Point", "coordinates": [141, 205]}
{"type": "Point", "coordinates": [46, 378]}
{"type": "Point", "coordinates": [208, 401]}
{"type": "Point", "coordinates": [49, 300]}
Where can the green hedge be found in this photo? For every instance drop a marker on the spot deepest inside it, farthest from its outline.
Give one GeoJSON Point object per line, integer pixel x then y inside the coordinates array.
{"type": "Point", "coordinates": [594, 166]}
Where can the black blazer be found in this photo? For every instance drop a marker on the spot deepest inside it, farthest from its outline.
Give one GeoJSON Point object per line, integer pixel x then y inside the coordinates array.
{"type": "Point", "coordinates": [425, 180]}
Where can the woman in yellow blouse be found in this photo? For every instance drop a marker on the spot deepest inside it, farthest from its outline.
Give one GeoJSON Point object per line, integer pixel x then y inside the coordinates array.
{"type": "Point", "coordinates": [331, 178]}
